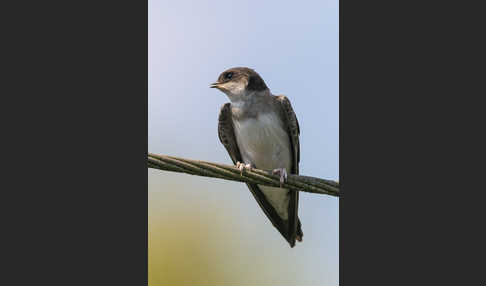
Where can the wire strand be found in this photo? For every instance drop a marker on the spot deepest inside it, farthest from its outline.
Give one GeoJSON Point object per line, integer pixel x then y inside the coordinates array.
{"type": "Point", "coordinates": [253, 176]}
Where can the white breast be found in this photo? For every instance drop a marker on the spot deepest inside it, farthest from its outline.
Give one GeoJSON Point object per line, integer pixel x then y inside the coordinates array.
{"type": "Point", "coordinates": [264, 143]}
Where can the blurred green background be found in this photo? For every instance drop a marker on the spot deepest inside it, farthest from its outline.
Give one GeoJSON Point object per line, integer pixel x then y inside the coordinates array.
{"type": "Point", "coordinates": [205, 231]}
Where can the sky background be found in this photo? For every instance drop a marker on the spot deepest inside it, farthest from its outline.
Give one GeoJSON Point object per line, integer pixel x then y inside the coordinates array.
{"type": "Point", "coordinates": [205, 231]}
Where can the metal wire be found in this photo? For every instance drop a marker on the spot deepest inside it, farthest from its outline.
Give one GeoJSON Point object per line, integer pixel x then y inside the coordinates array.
{"type": "Point", "coordinates": [229, 172]}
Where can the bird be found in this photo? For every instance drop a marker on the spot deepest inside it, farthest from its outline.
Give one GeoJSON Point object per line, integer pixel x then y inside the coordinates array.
{"type": "Point", "coordinates": [260, 130]}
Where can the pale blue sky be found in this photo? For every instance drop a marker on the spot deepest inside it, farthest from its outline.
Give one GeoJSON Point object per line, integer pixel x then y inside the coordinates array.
{"type": "Point", "coordinates": [293, 45]}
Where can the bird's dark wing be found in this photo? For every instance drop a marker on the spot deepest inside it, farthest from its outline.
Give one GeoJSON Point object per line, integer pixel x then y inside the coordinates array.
{"type": "Point", "coordinates": [228, 139]}
{"type": "Point", "coordinates": [226, 133]}
{"type": "Point", "coordinates": [289, 118]}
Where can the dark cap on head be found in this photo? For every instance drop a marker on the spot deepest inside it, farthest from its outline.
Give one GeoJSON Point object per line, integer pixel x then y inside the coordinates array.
{"type": "Point", "coordinates": [255, 82]}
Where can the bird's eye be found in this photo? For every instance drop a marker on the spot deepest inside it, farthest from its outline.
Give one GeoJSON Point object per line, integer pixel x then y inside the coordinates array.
{"type": "Point", "coordinates": [228, 75]}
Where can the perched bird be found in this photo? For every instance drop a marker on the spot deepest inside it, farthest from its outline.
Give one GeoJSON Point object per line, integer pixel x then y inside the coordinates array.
{"type": "Point", "coordinates": [260, 130]}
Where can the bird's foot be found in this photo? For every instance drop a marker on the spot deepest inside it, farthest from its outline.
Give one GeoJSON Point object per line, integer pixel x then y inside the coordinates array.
{"type": "Point", "coordinates": [242, 166]}
{"type": "Point", "coordinates": [299, 238]}
{"type": "Point", "coordinates": [283, 174]}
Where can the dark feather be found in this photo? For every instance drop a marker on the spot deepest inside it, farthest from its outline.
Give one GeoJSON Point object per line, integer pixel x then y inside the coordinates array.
{"type": "Point", "coordinates": [293, 129]}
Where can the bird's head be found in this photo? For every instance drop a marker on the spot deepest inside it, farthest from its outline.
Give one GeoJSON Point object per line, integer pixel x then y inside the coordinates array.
{"type": "Point", "coordinates": [238, 83]}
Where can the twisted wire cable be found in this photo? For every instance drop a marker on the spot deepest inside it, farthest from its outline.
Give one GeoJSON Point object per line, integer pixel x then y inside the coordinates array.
{"type": "Point", "coordinates": [230, 172]}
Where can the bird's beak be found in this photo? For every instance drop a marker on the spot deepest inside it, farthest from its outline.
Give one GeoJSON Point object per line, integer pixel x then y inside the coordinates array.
{"type": "Point", "coordinates": [214, 85]}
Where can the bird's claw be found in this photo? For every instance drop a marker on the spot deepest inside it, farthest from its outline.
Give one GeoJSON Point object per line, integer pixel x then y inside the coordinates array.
{"type": "Point", "coordinates": [283, 175]}
{"type": "Point", "coordinates": [242, 166]}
